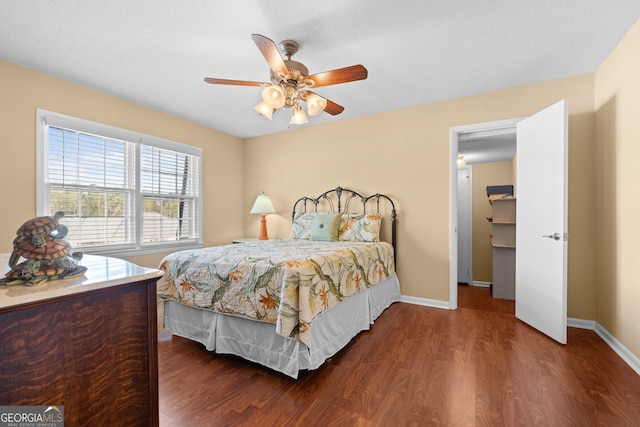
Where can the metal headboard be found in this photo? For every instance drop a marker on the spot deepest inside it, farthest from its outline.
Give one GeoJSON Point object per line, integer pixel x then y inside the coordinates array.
{"type": "Point", "coordinates": [336, 204]}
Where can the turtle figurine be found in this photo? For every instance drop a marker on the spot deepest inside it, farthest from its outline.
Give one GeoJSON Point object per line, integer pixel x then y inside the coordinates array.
{"type": "Point", "coordinates": [36, 228]}
{"type": "Point", "coordinates": [34, 272]}
{"type": "Point", "coordinates": [51, 248]}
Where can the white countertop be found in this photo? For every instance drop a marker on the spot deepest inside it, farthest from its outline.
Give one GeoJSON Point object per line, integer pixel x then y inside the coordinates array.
{"type": "Point", "coordinates": [103, 272]}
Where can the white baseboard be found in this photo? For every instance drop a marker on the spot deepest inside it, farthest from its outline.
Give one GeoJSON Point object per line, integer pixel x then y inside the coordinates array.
{"type": "Point", "coordinates": [425, 301]}
{"type": "Point", "coordinates": [625, 354]}
{"type": "Point", "coordinates": [581, 324]}
{"type": "Point", "coordinates": [622, 351]}
{"type": "Point", "coordinates": [481, 284]}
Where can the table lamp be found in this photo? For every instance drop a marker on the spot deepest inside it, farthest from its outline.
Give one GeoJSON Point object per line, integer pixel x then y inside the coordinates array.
{"type": "Point", "coordinates": [263, 206]}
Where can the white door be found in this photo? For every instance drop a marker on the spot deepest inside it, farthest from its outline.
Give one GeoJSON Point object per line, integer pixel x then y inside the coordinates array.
{"type": "Point", "coordinates": [541, 221]}
{"type": "Point", "coordinates": [464, 225]}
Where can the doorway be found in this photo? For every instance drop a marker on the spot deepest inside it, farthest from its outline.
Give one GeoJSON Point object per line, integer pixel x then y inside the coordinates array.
{"type": "Point", "coordinates": [458, 134]}
{"type": "Point", "coordinates": [542, 231]}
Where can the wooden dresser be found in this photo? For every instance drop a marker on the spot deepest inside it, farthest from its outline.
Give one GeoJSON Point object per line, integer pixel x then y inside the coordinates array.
{"type": "Point", "coordinates": [88, 344]}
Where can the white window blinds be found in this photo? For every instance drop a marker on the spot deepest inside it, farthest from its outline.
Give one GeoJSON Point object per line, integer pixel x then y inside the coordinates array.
{"type": "Point", "coordinates": [127, 192]}
{"type": "Point", "coordinates": [89, 179]}
{"type": "Point", "coordinates": [169, 193]}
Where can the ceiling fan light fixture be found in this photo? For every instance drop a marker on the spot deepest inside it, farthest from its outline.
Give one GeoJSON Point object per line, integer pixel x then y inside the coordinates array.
{"type": "Point", "coordinates": [290, 80]}
{"type": "Point", "coordinates": [297, 116]}
{"type": "Point", "coordinates": [264, 110]}
{"type": "Point", "coordinates": [274, 96]}
{"type": "Point", "coordinates": [315, 104]}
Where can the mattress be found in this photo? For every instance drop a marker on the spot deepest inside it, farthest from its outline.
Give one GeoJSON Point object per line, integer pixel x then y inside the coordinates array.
{"type": "Point", "coordinates": [289, 282]}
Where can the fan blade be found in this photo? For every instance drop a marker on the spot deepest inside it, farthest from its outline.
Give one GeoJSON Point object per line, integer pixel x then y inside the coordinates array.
{"type": "Point", "coordinates": [233, 82]}
{"type": "Point", "coordinates": [341, 75]}
{"type": "Point", "coordinates": [333, 108]}
{"type": "Point", "coordinates": [270, 52]}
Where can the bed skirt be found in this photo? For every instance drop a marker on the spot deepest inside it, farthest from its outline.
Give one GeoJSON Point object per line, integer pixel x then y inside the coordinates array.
{"type": "Point", "coordinates": [258, 341]}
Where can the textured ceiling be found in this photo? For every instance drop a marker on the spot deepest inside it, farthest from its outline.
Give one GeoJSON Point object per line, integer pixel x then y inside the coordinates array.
{"type": "Point", "coordinates": [157, 52]}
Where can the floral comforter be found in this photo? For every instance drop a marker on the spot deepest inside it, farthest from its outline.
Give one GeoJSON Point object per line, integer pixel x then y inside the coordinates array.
{"type": "Point", "coordinates": [288, 282]}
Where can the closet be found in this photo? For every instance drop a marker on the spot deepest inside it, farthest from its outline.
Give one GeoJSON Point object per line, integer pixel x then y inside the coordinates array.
{"type": "Point", "coordinates": [503, 243]}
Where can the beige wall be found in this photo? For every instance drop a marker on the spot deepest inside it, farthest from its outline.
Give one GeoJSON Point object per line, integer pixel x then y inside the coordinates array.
{"type": "Point", "coordinates": [484, 174]}
{"type": "Point", "coordinates": [23, 90]}
{"type": "Point", "coordinates": [405, 154]}
{"type": "Point", "coordinates": [617, 105]}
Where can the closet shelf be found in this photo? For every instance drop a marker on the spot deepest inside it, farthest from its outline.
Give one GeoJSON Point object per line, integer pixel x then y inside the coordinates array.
{"type": "Point", "coordinates": [495, 245]}
{"type": "Point", "coordinates": [503, 247]}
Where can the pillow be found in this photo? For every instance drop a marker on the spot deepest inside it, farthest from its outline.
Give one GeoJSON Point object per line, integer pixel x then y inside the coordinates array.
{"type": "Point", "coordinates": [325, 227]}
{"type": "Point", "coordinates": [301, 227]}
{"type": "Point", "coordinates": [360, 228]}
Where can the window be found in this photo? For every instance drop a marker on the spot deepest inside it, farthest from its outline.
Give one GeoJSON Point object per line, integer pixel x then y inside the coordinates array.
{"type": "Point", "coordinates": [121, 191]}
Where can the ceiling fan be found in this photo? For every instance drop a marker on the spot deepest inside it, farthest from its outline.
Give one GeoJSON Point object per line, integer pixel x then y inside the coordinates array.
{"type": "Point", "coordinates": [291, 82]}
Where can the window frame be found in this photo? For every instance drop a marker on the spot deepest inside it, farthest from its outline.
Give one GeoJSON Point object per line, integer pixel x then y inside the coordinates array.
{"type": "Point", "coordinates": [45, 118]}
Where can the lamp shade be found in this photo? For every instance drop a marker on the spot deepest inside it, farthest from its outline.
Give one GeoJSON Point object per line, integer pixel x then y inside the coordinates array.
{"type": "Point", "coordinates": [315, 104]}
{"type": "Point", "coordinates": [264, 110]}
{"type": "Point", "coordinates": [263, 205]}
{"type": "Point", "coordinates": [274, 96]}
{"type": "Point", "coordinates": [460, 161]}
{"type": "Point", "coordinates": [297, 116]}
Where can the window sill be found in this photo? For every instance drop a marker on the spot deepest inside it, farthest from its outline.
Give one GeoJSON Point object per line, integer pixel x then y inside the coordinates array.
{"type": "Point", "coordinates": [124, 253]}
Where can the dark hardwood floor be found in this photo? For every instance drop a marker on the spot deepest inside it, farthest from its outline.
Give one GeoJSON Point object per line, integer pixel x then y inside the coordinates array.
{"type": "Point", "coordinates": [479, 298]}
{"type": "Point", "coordinates": [417, 366]}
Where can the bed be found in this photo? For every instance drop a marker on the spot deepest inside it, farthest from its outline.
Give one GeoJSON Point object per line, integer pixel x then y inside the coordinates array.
{"type": "Point", "coordinates": [288, 304]}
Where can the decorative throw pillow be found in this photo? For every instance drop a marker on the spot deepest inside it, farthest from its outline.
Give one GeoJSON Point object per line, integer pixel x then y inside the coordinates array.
{"type": "Point", "coordinates": [360, 228]}
{"type": "Point", "coordinates": [302, 222]}
{"type": "Point", "coordinates": [325, 227]}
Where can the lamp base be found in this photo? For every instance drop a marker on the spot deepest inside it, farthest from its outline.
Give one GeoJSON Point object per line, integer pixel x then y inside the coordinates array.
{"type": "Point", "coordinates": [263, 228]}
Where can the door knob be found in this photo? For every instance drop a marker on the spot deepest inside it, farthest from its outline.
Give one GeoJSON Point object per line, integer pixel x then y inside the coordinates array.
{"type": "Point", "coordinates": [554, 236]}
